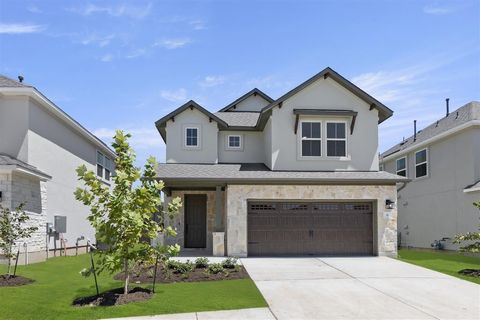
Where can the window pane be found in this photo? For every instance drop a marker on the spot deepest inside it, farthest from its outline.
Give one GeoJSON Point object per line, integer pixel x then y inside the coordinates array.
{"type": "Point", "coordinates": [341, 130]}
{"type": "Point", "coordinates": [107, 174]}
{"type": "Point", "coordinates": [99, 158]}
{"type": "Point", "coordinates": [316, 148]}
{"type": "Point", "coordinates": [330, 130]}
{"type": "Point", "coordinates": [234, 141]}
{"type": "Point", "coordinates": [311, 148]}
{"type": "Point", "coordinates": [421, 170]}
{"type": "Point", "coordinates": [401, 164]}
{"type": "Point", "coordinates": [402, 173]}
{"type": "Point", "coordinates": [336, 130]}
{"type": "Point", "coordinates": [316, 130]}
{"type": "Point", "coordinates": [306, 129]}
{"type": "Point", "coordinates": [336, 148]}
{"type": "Point", "coordinates": [99, 170]}
{"type": "Point", "coordinates": [306, 148]}
{"type": "Point", "coordinates": [421, 156]}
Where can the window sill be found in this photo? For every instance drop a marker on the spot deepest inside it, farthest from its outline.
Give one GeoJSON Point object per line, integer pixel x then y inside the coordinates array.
{"type": "Point", "coordinates": [324, 158]}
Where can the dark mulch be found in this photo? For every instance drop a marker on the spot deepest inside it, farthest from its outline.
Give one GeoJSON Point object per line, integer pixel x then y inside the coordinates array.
{"type": "Point", "coordinates": [470, 272]}
{"type": "Point", "coordinates": [14, 281]}
{"type": "Point", "coordinates": [114, 297]}
{"type": "Point", "coordinates": [199, 274]}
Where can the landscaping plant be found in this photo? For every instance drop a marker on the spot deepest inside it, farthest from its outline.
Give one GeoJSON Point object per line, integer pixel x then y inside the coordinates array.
{"type": "Point", "coordinates": [230, 263]}
{"type": "Point", "coordinates": [12, 229]}
{"type": "Point", "coordinates": [472, 238]}
{"type": "Point", "coordinates": [123, 216]}
{"type": "Point", "coordinates": [201, 262]}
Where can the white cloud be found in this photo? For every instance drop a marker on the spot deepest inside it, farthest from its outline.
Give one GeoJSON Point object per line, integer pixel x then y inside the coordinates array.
{"type": "Point", "coordinates": [106, 57]}
{"type": "Point", "coordinates": [437, 10]}
{"type": "Point", "coordinates": [136, 53]}
{"type": "Point", "coordinates": [101, 41]}
{"type": "Point", "coordinates": [179, 95]}
{"type": "Point", "coordinates": [19, 28]}
{"type": "Point", "coordinates": [142, 137]}
{"type": "Point", "coordinates": [212, 81]}
{"type": "Point", "coordinates": [198, 24]}
{"type": "Point", "coordinates": [34, 9]}
{"type": "Point", "coordinates": [119, 10]}
{"type": "Point", "coordinates": [268, 82]}
{"type": "Point", "coordinates": [172, 43]}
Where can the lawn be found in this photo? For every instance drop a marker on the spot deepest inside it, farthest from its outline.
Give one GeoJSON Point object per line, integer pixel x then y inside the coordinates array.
{"type": "Point", "coordinates": [58, 283]}
{"type": "Point", "coordinates": [442, 261]}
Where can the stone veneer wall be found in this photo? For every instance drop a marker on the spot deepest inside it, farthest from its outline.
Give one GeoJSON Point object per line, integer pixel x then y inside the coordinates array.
{"type": "Point", "coordinates": [18, 188]}
{"type": "Point", "coordinates": [179, 221]}
{"type": "Point", "coordinates": [385, 224]}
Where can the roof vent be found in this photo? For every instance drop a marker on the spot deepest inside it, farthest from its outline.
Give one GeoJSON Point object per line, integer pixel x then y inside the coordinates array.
{"type": "Point", "coordinates": [448, 106]}
{"type": "Point", "coordinates": [456, 117]}
{"type": "Point", "coordinates": [414, 130]}
{"type": "Point", "coordinates": [436, 125]}
{"type": "Point", "coordinates": [20, 78]}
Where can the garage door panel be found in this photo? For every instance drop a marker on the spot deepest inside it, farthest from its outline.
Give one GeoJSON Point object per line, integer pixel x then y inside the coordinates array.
{"type": "Point", "coordinates": [311, 228]}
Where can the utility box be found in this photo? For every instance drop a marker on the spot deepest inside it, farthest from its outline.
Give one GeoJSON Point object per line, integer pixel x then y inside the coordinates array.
{"type": "Point", "coordinates": [60, 224]}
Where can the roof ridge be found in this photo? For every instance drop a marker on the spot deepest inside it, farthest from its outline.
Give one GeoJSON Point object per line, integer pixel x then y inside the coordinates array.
{"type": "Point", "coordinates": [9, 82]}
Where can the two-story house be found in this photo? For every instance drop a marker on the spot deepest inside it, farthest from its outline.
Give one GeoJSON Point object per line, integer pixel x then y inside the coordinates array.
{"type": "Point", "coordinates": [293, 176]}
{"type": "Point", "coordinates": [443, 162]}
{"type": "Point", "coordinates": [40, 148]}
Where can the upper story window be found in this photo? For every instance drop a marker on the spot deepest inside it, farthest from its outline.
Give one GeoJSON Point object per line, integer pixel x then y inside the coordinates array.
{"type": "Point", "coordinates": [234, 141]}
{"type": "Point", "coordinates": [104, 166]}
{"type": "Point", "coordinates": [311, 139]}
{"type": "Point", "coordinates": [421, 163]}
{"type": "Point", "coordinates": [336, 139]}
{"type": "Point", "coordinates": [191, 137]}
{"type": "Point", "coordinates": [402, 166]}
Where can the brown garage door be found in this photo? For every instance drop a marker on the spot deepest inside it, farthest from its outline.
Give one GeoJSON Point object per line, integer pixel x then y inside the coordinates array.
{"type": "Point", "coordinates": [310, 228]}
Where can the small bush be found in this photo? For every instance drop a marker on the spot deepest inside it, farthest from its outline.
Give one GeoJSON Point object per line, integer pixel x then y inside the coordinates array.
{"type": "Point", "coordinates": [201, 262]}
{"type": "Point", "coordinates": [230, 263]}
{"type": "Point", "coordinates": [215, 268]}
{"type": "Point", "coordinates": [180, 267]}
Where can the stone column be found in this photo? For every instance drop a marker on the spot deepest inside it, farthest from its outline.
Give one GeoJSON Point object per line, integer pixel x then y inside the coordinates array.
{"type": "Point", "coordinates": [218, 241]}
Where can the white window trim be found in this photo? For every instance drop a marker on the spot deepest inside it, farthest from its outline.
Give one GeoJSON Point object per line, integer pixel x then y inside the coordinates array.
{"type": "Point", "coordinates": [185, 128]}
{"type": "Point", "coordinates": [227, 142]}
{"type": "Point", "coordinates": [406, 166]}
{"type": "Point", "coordinates": [424, 162]}
{"type": "Point", "coordinates": [300, 139]}
{"type": "Point", "coordinates": [104, 167]}
{"type": "Point", "coordinates": [336, 139]}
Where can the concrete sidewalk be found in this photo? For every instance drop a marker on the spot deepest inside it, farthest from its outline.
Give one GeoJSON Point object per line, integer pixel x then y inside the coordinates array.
{"type": "Point", "coordinates": [241, 314]}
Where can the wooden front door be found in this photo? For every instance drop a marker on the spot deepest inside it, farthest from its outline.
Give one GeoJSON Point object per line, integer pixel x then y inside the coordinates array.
{"type": "Point", "coordinates": [195, 221]}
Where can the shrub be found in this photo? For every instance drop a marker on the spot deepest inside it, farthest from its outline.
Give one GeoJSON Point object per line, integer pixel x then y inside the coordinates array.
{"type": "Point", "coordinates": [215, 268]}
{"type": "Point", "coordinates": [181, 267]}
{"type": "Point", "coordinates": [230, 263]}
{"type": "Point", "coordinates": [201, 262]}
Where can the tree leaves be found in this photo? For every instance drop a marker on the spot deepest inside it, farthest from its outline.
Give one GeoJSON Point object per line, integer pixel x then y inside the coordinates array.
{"type": "Point", "coordinates": [469, 237]}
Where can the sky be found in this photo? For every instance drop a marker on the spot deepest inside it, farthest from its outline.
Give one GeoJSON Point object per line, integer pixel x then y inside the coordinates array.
{"type": "Point", "coordinates": [125, 64]}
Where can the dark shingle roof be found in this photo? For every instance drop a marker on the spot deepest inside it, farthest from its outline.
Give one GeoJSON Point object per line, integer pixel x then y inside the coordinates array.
{"type": "Point", "coordinates": [470, 111]}
{"type": "Point", "coordinates": [7, 82]}
{"type": "Point", "coordinates": [6, 160]}
{"type": "Point", "coordinates": [254, 91]}
{"type": "Point", "coordinates": [260, 173]}
{"type": "Point", "coordinates": [239, 119]}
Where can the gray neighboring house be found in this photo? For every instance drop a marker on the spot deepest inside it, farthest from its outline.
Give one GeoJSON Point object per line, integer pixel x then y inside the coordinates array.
{"type": "Point", "coordinates": [40, 148]}
{"type": "Point", "coordinates": [443, 162]}
{"type": "Point", "coordinates": [293, 176]}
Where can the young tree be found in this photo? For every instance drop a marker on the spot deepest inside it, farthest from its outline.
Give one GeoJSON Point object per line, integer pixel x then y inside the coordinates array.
{"type": "Point", "coordinates": [123, 217]}
{"type": "Point", "coordinates": [12, 229]}
{"type": "Point", "coordinates": [473, 238]}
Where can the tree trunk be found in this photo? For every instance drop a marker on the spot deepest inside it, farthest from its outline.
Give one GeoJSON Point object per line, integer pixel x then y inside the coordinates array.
{"type": "Point", "coordinates": [127, 277]}
{"type": "Point", "coordinates": [9, 256]}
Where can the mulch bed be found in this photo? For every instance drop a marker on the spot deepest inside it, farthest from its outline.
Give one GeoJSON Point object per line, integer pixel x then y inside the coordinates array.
{"type": "Point", "coordinates": [114, 297]}
{"type": "Point", "coordinates": [199, 274]}
{"type": "Point", "coordinates": [13, 281]}
{"type": "Point", "coordinates": [470, 272]}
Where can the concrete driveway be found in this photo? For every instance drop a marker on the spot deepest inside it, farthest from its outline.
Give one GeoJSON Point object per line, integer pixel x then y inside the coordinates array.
{"type": "Point", "coordinates": [360, 288]}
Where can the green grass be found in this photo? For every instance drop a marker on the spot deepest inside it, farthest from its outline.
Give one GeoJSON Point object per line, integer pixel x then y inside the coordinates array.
{"type": "Point", "coordinates": [442, 261]}
{"type": "Point", "coordinates": [58, 283]}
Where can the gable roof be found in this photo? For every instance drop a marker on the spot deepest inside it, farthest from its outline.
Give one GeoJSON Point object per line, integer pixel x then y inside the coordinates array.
{"type": "Point", "coordinates": [457, 118]}
{"type": "Point", "coordinates": [12, 163]}
{"type": "Point", "coordinates": [383, 111]}
{"type": "Point", "coordinates": [254, 91]}
{"type": "Point", "coordinates": [11, 87]}
{"type": "Point", "coordinates": [239, 118]}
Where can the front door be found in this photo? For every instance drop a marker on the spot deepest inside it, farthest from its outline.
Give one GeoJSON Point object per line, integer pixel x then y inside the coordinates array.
{"type": "Point", "coordinates": [195, 221]}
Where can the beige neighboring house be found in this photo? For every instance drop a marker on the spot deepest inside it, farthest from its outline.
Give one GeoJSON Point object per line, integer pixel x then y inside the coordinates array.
{"type": "Point", "coordinates": [443, 162]}
{"type": "Point", "coordinates": [293, 176]}
{"type": "Point", "coordinates": [40, 148]}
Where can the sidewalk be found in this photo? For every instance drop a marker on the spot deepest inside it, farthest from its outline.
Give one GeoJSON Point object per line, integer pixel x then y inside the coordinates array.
{"type": "Point", "coordinates": [241, 314]}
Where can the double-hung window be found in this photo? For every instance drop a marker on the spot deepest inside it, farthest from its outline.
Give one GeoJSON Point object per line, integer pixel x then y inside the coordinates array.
{"type": "Point", "coordinates": [104, 166]}
{"type": "Point", "coordinates": [336, 139]}
{"type": "Point", "coordinates": [234, 142]}
{"type": "Point", "coordinates": [421, 163]}
{"type": "Point", "coordinates": [402, 166]}
{"type": "Point", "coordinates": [191, 137]}
{"type": "Point", "coordinates": [311, 139]}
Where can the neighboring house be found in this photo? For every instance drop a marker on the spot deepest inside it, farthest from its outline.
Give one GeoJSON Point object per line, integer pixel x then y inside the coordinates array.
{"type": "Point", "coordinates": [40, 148]}
{"type": "Point", "coordinates": [293, 176]}
{"type": "Point", "coordinates": [443, 162]}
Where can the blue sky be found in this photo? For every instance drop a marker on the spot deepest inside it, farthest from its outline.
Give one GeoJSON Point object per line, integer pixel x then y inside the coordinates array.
{"type": "Point", "coordinates": [114, 64]}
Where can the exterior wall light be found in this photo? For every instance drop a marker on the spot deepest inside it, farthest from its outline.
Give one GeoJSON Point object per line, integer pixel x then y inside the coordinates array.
{"type": "Point", "coordinates": [389, 204]}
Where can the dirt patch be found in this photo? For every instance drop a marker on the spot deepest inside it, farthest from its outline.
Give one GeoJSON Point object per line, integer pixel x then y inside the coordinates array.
{"type": "Point", "coordinates": [199, 274]}
{"type": "Point", "coordinates": [470, 272]}
{"type": "Point", "coordinates": [13, 281]}
{"type": "Point", "coordinates": [114, 297]}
